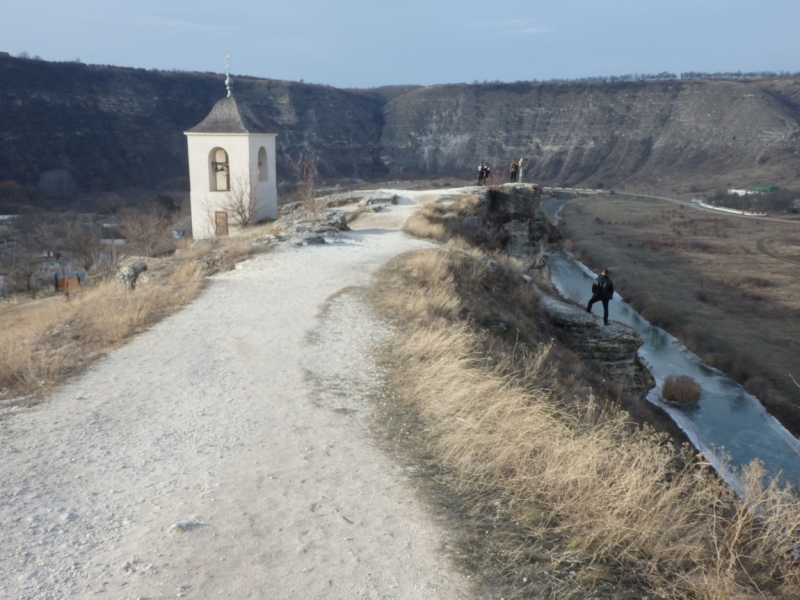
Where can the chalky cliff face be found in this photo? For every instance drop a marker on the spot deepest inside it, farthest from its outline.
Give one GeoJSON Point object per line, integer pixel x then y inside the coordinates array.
{"type": "Point", "coordinates": [113, 127]}
{"type": "Point", "coordinates": [507, 219]}
{"type": "Point", "coordinates": [656, 133]}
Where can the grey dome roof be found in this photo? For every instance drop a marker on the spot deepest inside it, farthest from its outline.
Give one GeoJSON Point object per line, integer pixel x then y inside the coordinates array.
{"type": "Point", "coordinates": [230, 115]}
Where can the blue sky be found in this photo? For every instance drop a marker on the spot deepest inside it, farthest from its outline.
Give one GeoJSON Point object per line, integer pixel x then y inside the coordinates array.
{"type": "Point", "coordinates": [365, 44]}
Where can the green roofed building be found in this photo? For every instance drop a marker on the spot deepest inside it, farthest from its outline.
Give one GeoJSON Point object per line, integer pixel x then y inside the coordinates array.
{"type": "Point", "coordinates": [762, 188]}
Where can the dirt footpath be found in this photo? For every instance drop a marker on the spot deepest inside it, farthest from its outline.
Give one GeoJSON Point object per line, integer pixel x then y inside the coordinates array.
{"type": "Point", "coordinates": [222, 454]}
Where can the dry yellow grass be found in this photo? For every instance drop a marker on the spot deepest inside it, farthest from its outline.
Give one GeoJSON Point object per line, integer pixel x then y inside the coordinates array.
{"type": "Point", "coordinates": [54, 340]}
{"type": "Point", "coordinates": [45, 341]}
{"type": "Point", "coordinates": [681, 389]}
{"type": "Point", "coordinates": [442, 221]}
{"type": "Point", "coordinates": [516, 446]}
{"type": "Point", "coordinates": [420, 225]}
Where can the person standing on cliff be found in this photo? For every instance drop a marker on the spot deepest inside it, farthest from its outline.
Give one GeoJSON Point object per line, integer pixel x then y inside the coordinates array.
{"type": "Point", "coordinates": [486, 172]}
{"type": "Point", "coordinates": [481, 173]}
{"type": "Point", "coordinates": [603, 291]}
{"type": "Point", "coordinates": [514, 169]}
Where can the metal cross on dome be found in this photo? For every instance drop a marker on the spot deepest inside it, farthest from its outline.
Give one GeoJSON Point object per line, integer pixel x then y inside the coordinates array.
{"type": "Point", "coordinates": [228, 82]}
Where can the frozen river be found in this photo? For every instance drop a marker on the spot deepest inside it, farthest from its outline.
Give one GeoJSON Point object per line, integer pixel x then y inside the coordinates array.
{"type": "Point", "coordinates": [727, 420]}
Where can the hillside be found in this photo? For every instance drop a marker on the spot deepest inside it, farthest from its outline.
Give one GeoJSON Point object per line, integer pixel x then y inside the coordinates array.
{"type": "Point", "coordinates": [660, 134]}
{"type": "Point", "coordinates": [115, 127]}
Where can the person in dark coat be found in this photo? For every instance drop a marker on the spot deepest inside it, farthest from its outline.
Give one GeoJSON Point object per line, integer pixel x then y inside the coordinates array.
{"type": "Point", "coordinates": [603, 291]}
{"type": "Point", "coordinates": [486, 172]}
{"type": "Point", "coordinates": [514, 170]}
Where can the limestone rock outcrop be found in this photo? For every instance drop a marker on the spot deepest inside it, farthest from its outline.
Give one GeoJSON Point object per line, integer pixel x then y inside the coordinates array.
{"type": "Point", "coordinates": [305, 227]}
{"type": "Point", "coordinates": [611, 349]}
{"type": "Point", "coordinates": [509, 214]}
{"type": "Point", "coordinates": [503, 218]}
{"type": "Point", "coordinates": [128, 271]}
{"type": "Point", "coordinates": [362, 198]}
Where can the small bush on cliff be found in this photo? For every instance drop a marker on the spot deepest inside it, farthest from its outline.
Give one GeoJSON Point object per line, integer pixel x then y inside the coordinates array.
{"type": "Point", "coordinates": [681, 389]}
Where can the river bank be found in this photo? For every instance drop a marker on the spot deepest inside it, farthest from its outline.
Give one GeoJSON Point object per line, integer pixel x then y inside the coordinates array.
{"type": "Point", "coordinates": [724, 299]}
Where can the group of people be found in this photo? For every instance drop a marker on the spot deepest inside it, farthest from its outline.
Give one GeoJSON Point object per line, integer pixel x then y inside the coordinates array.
{"type": "Point", "coordinates": [484, 171]}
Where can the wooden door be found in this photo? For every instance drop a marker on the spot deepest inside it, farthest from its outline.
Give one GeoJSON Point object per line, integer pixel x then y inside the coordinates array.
{"type": "Point", "coordinates": [221, 223]}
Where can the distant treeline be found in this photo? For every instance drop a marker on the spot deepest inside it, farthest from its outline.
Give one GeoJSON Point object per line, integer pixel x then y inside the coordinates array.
{"type": "Point", "coordinates": [664, 76]}
{"type": "Point", "coordinates": [781, 201]}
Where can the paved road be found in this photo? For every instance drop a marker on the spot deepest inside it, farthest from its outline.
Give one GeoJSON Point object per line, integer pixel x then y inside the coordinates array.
{"type": "Point", "coordinates": [696, 206]}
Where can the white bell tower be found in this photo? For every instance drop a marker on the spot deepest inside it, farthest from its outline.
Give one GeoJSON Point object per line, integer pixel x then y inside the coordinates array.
{"type": "Point", "coordinates": [231, 168]}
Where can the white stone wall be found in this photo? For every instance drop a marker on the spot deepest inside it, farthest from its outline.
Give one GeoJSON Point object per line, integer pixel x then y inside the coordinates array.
{"type": "Point", "coordinates": [735, 211]}
{"type": "Point", "coordinates": [242, 150]}
{"type": "Point", "coordinates": [267, 190]}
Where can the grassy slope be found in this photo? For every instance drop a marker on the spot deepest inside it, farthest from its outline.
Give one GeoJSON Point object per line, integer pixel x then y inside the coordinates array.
{"type": "Point", "coordinates": [44, 342]}
{"type": "Point", "coordinates": [552, 493]}
{"type": "Point", "coordinates": [703, 278]}
{"type": "Point", "coordinates": [553, 490]}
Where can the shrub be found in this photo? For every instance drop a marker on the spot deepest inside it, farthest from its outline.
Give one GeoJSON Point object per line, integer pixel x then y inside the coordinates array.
{"type": "Point", "coordinates": [419, 224]}
{"type": "Point", "coordinates": [751, 281]}
{"type": "Point", "coordinates": [681, 389]}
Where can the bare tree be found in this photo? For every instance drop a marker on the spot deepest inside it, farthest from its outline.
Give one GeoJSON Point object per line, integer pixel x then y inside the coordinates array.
{"type": "Point", "coordinates": [112, 204]}
{"type": "Point", "coordinates": [305, 171]}
{"type": "Point", "coordinates": [33, 238]}
{"type": "Point", "coordinates": [81, 239]}
{"type": "Point", "coordinates": [239, 204]}
{"type": "Point", "coordinates": [26, 263]}
{"type": "Point", "coordinates": [242, 200]}
{"type": "Point", "coordinates": [143, 231]}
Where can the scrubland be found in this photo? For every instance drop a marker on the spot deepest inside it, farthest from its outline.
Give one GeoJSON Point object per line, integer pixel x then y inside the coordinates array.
{"type": "Point", "coordinates": [552, 488]}
{"type": "Point", "coordinates": [45, 341]}
{"type": "Point", "coordinates": [727, 287]}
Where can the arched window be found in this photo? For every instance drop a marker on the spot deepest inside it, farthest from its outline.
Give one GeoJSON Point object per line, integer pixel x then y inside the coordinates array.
{"type": "Point", "coordinates": [263, 167]}
{"type": "Point", "coordinates": [219, 171]}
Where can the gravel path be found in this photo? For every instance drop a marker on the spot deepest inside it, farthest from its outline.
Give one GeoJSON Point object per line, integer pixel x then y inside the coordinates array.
{"type": "Point", "coordinates": [222, 454]}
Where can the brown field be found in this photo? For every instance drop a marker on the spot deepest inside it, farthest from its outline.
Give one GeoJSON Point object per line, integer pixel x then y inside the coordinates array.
{"type": "Point", "coordinates": [727, 286]}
